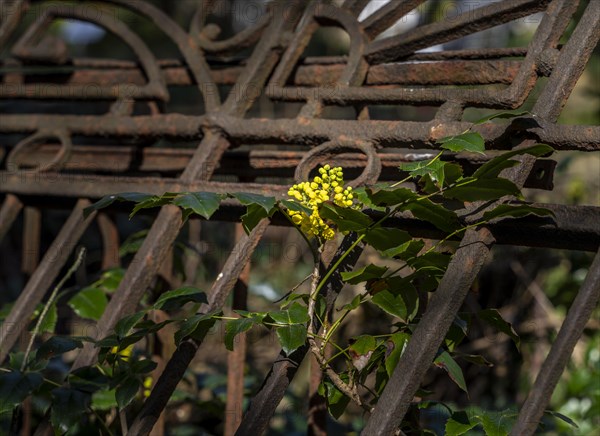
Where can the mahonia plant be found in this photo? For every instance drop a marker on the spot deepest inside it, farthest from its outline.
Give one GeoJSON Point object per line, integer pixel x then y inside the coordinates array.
{"type": "Point", "coordinates": [319, 208]}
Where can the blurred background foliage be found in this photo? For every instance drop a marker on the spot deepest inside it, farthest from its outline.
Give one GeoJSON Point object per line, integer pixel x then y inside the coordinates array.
{"type": "Point", "coordinates": [532, 288]}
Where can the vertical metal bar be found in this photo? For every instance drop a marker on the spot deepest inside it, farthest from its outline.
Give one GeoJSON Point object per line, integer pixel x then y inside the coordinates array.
{"type": "Point", "coordinates": [580, 312]}
{"type": "Point", "coordinates": [236, 359]}
{"type": "Point", "coordinates": [44, 275]}
{"type": "Point", "coordinates": [110, 242]}
{"type": "Point", "coordinates": [9, 213]}
{"type": "Point", "coordinates": [32, 227]}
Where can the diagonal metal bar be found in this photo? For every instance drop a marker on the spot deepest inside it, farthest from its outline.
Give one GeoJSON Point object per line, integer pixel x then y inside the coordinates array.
{"type": "Point", "coordinates": [166, 227]}
{"type": "Point", "coordinates": [44, 275]}
{"type": "Point", "coordinates": [9, 213]}
{"type": "Point", "coordinates": [177, 365]}
{"type": "Point", "coordinates": [579, 314]}
{"type": "Point", "coordinates": [467, 261]}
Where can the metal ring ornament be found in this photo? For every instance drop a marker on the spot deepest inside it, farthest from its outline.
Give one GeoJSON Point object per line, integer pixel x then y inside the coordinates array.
{"type": "Point", "coordinates": [32, 142]}
{"type": "Point", "coordinates": [330, 149]}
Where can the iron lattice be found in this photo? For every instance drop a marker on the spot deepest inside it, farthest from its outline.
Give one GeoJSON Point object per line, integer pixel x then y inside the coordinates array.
{"type": "Point", "coordinates": [53, 165]}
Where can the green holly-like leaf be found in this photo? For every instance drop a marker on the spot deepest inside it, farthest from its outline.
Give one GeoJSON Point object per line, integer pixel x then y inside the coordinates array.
{"type": "Point", "coordinates": [495, 424]}
{"type": "Point", "coordinates": [200, 203]}
{"type": "Point", "coordinates": [267, 203]}
{"type": "Point", "coordinates": [15, 387]}
{"type": "Point", "coordinates": [254, 214]}
{"type": "Point", "coordinates": [88, 379]}
{"type": "Point", "coordinates": [391, 197]}
{"type": "Point", "coordinates": [296, 314]}
{"type": "Point", "coordinates": [234, 328]}
{"type": "Point", "coordinates": [397, 343]}
{"type": "Point", "coordinates": [391, 303]}
{"type": "Point", "coordinates": [493, 318]}
{"type": "Point", "coordinates": [433, 168]}
{"type": "Point", "coordinates": [459, 424]}
{"type": "Point", "coordinates": [470, 141]}
{"type": "Point", "coordinates": [483, 189]}
{"type": "Point", "coordinates": [295, 206]}
{"type": "Point", "coordinates": [48, 324]}
{"type": "Point", "coordinates": [345, 219]}
{"type": "Point", "coordinates": [152, 202]}
{"type": "Point", "coordinates": [89, 303]}
{"type": "Point", "coordinates": [127, 391]}
{"type": "Point", "coordinates": [104, 400]}
{"type": "Point", "coordinates": [57, 345]}
{"type": "Point", "coordinates": [383, 239]}
{"type": "Point", "coordinates": [291, 337]}
{"type": "Point", "coordinates": [363, 344]}
{"type": "Point", "coordinates": [178, 297]}
{"type": "Point", "coordinates": [446, 362]}
{"type": "Point", "coordinates": [369, 272]}
{"type": "Point", "coordinates": [495, 166]}
{"type": "Point", "coordinates": [437, 215]}
{"type": "Point", "coordinates": [68, 407]}
{"type": "Point", "coordinates": [195, 327]}
{"type": "Point", "coordinates": [336, 400]}
{"type": "Point", "coordinates": [515, 211]}
{"type": "Point", "coordinates": [124, 325]}
{"type": "Point", "coordinates": [501, 115]}
{"type": "Point", "coordinates": [106, 201]}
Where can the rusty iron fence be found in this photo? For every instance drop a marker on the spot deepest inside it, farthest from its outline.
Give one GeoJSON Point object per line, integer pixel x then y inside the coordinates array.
{"type": "Point", "coordinates": [67, 160]}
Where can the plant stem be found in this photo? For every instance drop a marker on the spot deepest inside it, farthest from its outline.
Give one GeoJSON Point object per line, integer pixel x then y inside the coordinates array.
{"type": "Point", "coordinates": [50, 302]}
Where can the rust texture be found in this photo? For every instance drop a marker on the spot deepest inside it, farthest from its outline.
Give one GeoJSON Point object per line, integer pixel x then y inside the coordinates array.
{"type": "Point", "coordinates": [66, 159]}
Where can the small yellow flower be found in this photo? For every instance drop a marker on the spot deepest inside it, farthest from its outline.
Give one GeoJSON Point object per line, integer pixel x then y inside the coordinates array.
{"type": "Point", "coordinates": [328, 186]}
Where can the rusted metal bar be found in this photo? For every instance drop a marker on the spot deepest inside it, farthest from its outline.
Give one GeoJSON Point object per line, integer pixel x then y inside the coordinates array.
{"type": "Point", "coordinates": [236, 359]}
{"type": "Point", "coordinates": [186, 351]}
{"type": "Point", "coordinates": [9, 213]}
{"type": "Point", "coordinates": [42, 278]}
{"type": "Point", "coordinates": [579, 314]}
{"type": "Point", "coordinates": [464, 267]}
{"type": "Point", "coordinates": [308, 131]}
{"type": "Point", "coordinates": [471, 21]}
{"type": "Point", "coordinates": [32, 228]}
{"type": "Point", "coordinates": [110, 242]}
{"type": "Point", "coordinates": [252, 163]}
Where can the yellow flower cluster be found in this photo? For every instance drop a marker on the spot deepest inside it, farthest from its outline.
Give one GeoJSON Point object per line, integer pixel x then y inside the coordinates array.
{"type": "Point", "coordinates": [328, 186]}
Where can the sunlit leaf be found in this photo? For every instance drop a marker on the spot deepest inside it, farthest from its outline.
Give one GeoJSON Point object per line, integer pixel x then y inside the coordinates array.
{"type": "Point", "coordinates": [470, 141]}
{"type": "Point", "coordinates": [446, 362]}
{"type": "Point", "coordinates": [89, 303]}
{"type": "Point", "coordinates": [201, 203]}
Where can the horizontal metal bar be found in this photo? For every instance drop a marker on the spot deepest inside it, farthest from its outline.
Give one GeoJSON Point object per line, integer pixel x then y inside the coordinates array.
{"type": "Point", "coordinates": [248, 164]}
{"type": "Point", "coordinates": [302, 130]}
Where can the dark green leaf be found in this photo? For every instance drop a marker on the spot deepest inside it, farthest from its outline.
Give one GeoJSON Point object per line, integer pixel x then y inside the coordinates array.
{"type": "Point", "coordinates": [383, 239]}
{"type": "Point", "coordinates": [369, 272]}
{"type": "Point", "coordinates": [68, 407]}
{"type": "Point", "coordinates": [477, 359]}
{"type": "Point", "coordinates": [235, 327]}
{"type": "Point", "coordinates": [405, 251]}
{"type": "Point", "coordinates": [354, 303]}
{"type": "Point", "coordinates": [515, 211]}
{"type": "Point", "coordinates": [15, 387]}
{"type": "Point", "coordinates": [136, 197]}
{"type": "Point", "coordinates": [57, 345]}
{"type": "Point", "coordinates": [127, 391]}
{"type": "Point", "coordinates": [346, 219]}
{"type": "Point", "coordinates": [195, 327]}
{"type": "Point", "coordinates": [296, 314]}
{"type": "Point", "coordinates": [363, 344]}
{"type": "Point", "coordinates": [201, 203]}
{"type": "Point", "coordinates": [391, 197]}
{"type": "Point", "coordinates": [435, 169]}
{"type": "Point", "coordinates": [446, 362]}
{"type": "Point", "coordinates": [178, 297]}
{"type": "Point", "coordinates": [87, 379]}
{"type": "Point", "coordinates": [89, 303]}
{"type": "Point", "coordinates": [293, 205]}
{"type": "Point", "coordinates": [124, 325]}
{"type": "Point", "coordinates": [104, 400]}
{"type": "Point", "coordinates": [470, 141]}
{"type": "Point", "coordinates": [49, 322]}
{"type": "Point", "coordinates": [143, 366]}
{"type": "Point", "coordinates": [493, 168]}
{"type": "Point", "coordinates": [392, 304]}
{"type": "Point", "coordinates": [336, 400]}
{"type": "Point", "coordinates": [459, 424]}
{"type": "Point", "coordinates": [493, 318]}
{"type": "Point", "coordinates": [254, 214]}
{"type": "Point", "coordinates": [483, 189]}
{"type": "Point", "coordinates": [494, 424]}
{"type": "Point", "coordinates": [561, 417]}
{"type": "Point", "coordinates": [504, 115]}
{"type": "Point", "coordinates": [291, 337]}
{"type": "Point", "coordinates": [152, 202]}
{"type": "Point", "coordinates": [267, 203]}
{"type": "Point", "coordinates": [396, 345]}
{"type": "Point", "coordinates": [437, 215]}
